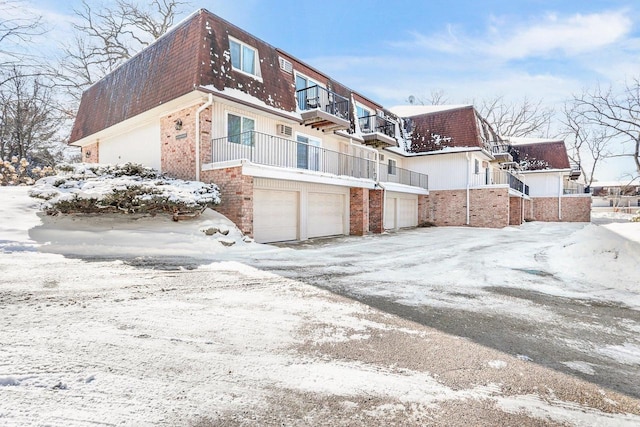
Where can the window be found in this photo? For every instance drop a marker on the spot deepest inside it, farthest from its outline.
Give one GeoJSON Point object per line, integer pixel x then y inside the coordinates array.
{"type": "Point", "coordinates": [243, 57]}
{"type": "Point", "coordinates": [365, 119]}
{"type": "Point", "coordinates": [477, 166]}
{"type": "Point", "coordinates": [240, 129]}
{"type": "Point", "coordinates": [310, 98]}
{"type": "Point", "coordinates": [391, 168]}
{"type": "Point", "coordinates": [308, 153]}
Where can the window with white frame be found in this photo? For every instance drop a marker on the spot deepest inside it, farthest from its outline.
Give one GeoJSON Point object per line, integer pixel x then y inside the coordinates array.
{"type": "Point", "coordinates": [308, 152]}
{"type": "Point", "coordinates": [364, 118]}
{"type": "Point", "coordinates": [308, 92]}
{"type": "Point", "coordinates": [240, 129]}
{"type": "Point", "coordinates": [244, 57]}
{"type": "Point", "coordinates": [391, 167]}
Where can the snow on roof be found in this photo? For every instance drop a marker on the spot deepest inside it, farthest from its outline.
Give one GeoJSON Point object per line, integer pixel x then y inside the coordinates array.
{"type": "Point", "coordinates": [417, 110]}
{"type": "Point", "coordinates": [445, 150]}
{"type": "Point", "coordinates": [615, 183]}
{"type": "Point", "coordinates": [524, 141]}
{"type": "Point", "coordinates": [243, 97]}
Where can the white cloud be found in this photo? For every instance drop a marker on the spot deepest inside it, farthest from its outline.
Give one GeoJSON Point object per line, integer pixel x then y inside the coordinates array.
{"type": "Point", "coordinates": [511, 39]}
{"type": "Point", "coordinates": [573, 35]}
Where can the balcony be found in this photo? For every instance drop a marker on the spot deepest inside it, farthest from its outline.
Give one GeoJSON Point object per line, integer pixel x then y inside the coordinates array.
{"type": "Point", "coordinates": [403, 176]}
{"type": "Point", "coordinates": [378, 131]}
{"type": "Point", "coordinates": [501, 152]}
{"type": "Point", "coordinates": [572, 187]}
{"type": "Point", "coordinates": [323, 109]}
{"type": "Point", "coordinates": [265, 149]}
{"type": "Point", "coordinates": [576, 171]}
{"type": "Point", "coordinates": [499, 177]}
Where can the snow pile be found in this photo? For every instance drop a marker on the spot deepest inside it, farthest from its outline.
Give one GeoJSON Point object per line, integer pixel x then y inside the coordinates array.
{"type": "Point", "coordinates": [116, 236]}
{"type": "Point", "coordinates": [130, 188]}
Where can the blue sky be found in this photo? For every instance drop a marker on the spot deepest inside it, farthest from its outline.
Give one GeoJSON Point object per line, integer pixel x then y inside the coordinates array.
{"type": "Point", "coordinates": [471, 50]}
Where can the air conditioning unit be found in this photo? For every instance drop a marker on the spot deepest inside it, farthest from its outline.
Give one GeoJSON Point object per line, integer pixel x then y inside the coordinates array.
{"type": "Point", "coordinates": [285, 130]}
{"type": "Point", "coordinates": [285, 65]}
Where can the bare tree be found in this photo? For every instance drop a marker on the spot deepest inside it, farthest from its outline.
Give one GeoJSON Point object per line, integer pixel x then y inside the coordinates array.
{"type": "Point", "coordinates": [436, 97]}
{"type": "Point", "coordinates": [108, 36]}
{"type": "Point", "coordinates": [519, 119]}
{"type": "Point", "coordinates": [617, 113]}
{"type": "Point", "coordinates": [15, 33]}
{"type": "Point", "coordinates": [585, 140]}
{"type": "Point", "coordinates": [30, 120]}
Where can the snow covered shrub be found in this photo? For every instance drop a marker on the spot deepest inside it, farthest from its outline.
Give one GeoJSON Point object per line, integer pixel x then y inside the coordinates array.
{"type": "Point", "coordinates": [636, 217]}
{"type": "Point", "coordinates": [17, 172]}
{"type": "Point", "coordinates": [127, 188]}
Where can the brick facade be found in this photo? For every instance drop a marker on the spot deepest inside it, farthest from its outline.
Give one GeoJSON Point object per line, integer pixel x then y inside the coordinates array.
{"type": "Point", "coordinates": [489, 207]}
{"type": "Point", "coordinates": [236, 194]}
{"type": "Point", "coordinates": [528, 210]}
{"type": "Point", "coordinates": [423, 209]}
{"type": "Point", "coordinates": [376, 202]}
{"type": "Point", "coordinates": [359, 211]}
{"type": "Point", "coordinates": [574, 209]}
{"type": "Point", "coordinates": [516, 206]}
{"type": "Point", "coordinates": [178, 145]}
{"type": "Point", "coordinates": [448, 207]}
{"type": "Point", "coordinates": [91, 153]}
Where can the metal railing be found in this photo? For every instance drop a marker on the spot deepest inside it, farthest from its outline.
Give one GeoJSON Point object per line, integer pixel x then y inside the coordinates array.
{"type": "Point", "coordinates": [499, 177]}
{"type": "Point", "coordinates": [317, 97]}
{"type": "Point", "coordinates": [403, 176]}
{"type": "Point", "coordinates": [265, 149]}
{"type": "Point", "coordinates": [499, 148]}
{"type": "Point", "coordinates": [572, 187]}
{"type": "Point", "coordinates": [375, 123]}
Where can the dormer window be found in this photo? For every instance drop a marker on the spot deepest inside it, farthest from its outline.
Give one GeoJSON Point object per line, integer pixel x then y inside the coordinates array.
{"type": "Point", "coordinates": [244, 57]}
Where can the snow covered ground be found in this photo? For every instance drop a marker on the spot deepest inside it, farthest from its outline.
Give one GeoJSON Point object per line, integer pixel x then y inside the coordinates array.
{"type": "Point", "coordinates": [144, 321]}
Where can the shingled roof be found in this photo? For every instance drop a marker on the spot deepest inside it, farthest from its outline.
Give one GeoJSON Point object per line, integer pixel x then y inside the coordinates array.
{"type": "Point", "coordinates": [444, 127]}
{"type": "Point", "coordinates": [192, 55]}
{"type": "Point", "coordinates": [541, 154]}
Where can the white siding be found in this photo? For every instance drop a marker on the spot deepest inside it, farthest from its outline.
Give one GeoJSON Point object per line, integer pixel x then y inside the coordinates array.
{"type": "Point", "coordinates": [446, 171]}
{"type": "Point", "coordinates": [139, 145]}
{"type": "Point", "coordinates": [543, 184]}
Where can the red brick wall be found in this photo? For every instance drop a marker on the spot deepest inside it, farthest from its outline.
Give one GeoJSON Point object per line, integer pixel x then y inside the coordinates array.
{"type": "Point", "coordinates": [448, 207]}
{"type": "Point", "coordinates": [376, 198]}
{"type": "Point", "coordinates": [545, 209]}
{"type": "Point", "coordinates": [359, 212]}
{"type": "Point", "coordinates": [489, 207]}
{"type": "Point", "coordinates": [90, 153]}
{"type": "Point", "coordinates": [423, 209]}
{"type": "Point", "coordinates": [236, 194]}
{"type": "Point", "coordinates": [528, 210]}
{"type": "Point", "coordinates": [178, 158]}
{"type": "Point", "coordinates": [574, 209]}
{"type": "Point", "coordinates": [515, 210]}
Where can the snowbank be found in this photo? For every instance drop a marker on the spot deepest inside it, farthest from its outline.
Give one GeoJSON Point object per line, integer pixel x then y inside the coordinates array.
{"type": "Point", "coordinates": [122, 188]}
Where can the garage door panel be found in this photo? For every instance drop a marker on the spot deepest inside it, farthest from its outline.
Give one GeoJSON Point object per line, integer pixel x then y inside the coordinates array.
{"type": "Point", "coordinates": [408, 215]}
{"type": "Point", "coordinates": [325, 214]}
{"type": "Point", "coordinates": [390, 213]}
{"type": "Point", "coordinates": [275, 215]}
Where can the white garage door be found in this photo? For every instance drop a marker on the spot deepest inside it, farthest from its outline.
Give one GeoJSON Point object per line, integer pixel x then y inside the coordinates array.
{"type": "Point", "coordinates": [401, 211]}
{"type": "Point", "coordinates": [407, 212]}
{"type": "Point", "coordinates": [275, 215]}
{"type": "Point", "coordinates": [390, 213]}
{"type": "Point", "coordinates": [325, 214]}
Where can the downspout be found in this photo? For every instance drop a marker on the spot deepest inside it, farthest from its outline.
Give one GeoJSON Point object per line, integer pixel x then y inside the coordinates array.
{"type": "Point", "coordinates": [524, 186]}
{"type": "Point", "coordinates": [377, 157]}
{"type": "Point", "coordinates": [559, 196]}
{"type": "Point", "coordinates": [200, 110]}
{"type": "Point", "coordinates": [468, 185]}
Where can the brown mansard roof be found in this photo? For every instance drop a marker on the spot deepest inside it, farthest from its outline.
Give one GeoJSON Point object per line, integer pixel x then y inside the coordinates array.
{"type": "Point", "coordinates": [547, 154]}
{"type": "Point", "coordinates": [191, 55]}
